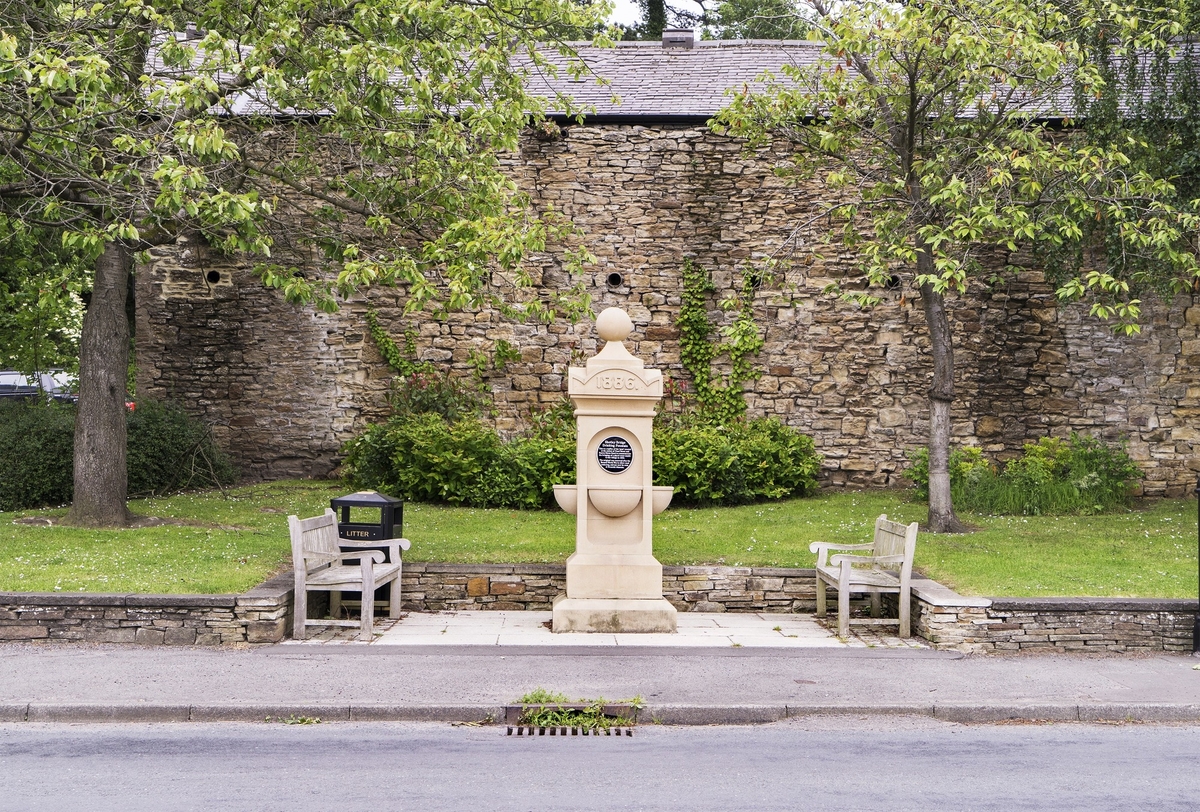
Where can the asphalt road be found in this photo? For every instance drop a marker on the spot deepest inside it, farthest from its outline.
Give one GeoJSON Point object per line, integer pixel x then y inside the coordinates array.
{"type": "Point", "coordinates": [897, 763]}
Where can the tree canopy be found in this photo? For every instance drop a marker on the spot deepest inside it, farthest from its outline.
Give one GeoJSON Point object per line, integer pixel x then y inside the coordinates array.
{"type": "Point", "coordinates": [946, 132]}
{"type": "Point", "coordinates": [721, 19]}
{"type": "Point", "coordinates": [366, 135]}
{"type": "Point", "coordinates": [41, 304]}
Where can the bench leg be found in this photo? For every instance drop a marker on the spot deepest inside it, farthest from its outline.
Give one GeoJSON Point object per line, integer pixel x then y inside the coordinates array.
{"type": "Point", "coordinates": [905, 613]}
{"type": "Point", "coordinates": [821, 608]}
{"type": "Point", "coordinates": [335, 605]}
{"type": "Point", "coordinates": [843, 612]}
{"type": "Point", "coordinates": [394, 599]}
{"type": "Point", "coordinates": [844, 599]}
{"type": "Point", "coordinates": [875, 603]}
{"type": "Point", "coordinates": [299, 611]}
{"type": "Point", "coordinates": [365, 633]}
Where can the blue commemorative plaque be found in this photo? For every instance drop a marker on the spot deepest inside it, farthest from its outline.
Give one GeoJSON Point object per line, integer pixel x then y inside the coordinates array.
{"type": "Point", "coordinates": [614, 454]}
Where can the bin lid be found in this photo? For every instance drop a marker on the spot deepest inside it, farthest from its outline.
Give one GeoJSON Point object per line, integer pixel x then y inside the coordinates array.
{"type": "Point", "coordinates": [365, 499]}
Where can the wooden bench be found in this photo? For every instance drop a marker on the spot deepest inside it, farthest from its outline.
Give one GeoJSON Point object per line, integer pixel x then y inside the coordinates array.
{"type": "Point", "coordinates": [886, 568]}
{"type": "Point", "coordinates": [320, 564]}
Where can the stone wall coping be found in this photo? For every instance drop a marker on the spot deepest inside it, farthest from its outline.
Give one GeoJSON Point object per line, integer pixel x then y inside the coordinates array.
{"type": "Point", "coordinates": [276, 589]}
{"type": "Point", "coordinates": [723, 570]}
{"type": "Point", "coordinates": [273, 590]}
{"type": "Point", "coordinates": [61, 599]}
{"type": "Point", "coordinates": [1183, 605]}
{"type": "Point", "coordinates": [214, 601]}
{"type": "Point", "coordinates": [560, 569]}
{"type": "Point", "coordinates": [936, 594]}
{"type": "Point", "coordinates": [783, 572]}
{"type": "Point", "coordinates": [482, 569]}
{"type": "Point", "coordinates": [539, 569]}
{"type": "Point", "coordinates": [113, 599]}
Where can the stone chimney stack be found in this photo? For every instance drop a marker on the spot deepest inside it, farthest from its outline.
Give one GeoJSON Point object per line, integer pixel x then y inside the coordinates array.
{"type": "Point", "coordinates": [678, 38]}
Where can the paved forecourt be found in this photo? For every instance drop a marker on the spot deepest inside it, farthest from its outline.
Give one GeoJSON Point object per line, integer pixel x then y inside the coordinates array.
{"type": "Point", "coordinates": [524, 628]}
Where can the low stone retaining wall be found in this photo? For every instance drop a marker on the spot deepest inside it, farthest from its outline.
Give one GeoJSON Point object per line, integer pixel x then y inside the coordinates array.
{"type": "Point", "coordinates": [257, 616]}
{"type": "Point", "coordinates": [940, 615]}
{"type": "Point", "coordinates": [1068, 624]}
{"type": "Point", "coordinates": [434, 587]}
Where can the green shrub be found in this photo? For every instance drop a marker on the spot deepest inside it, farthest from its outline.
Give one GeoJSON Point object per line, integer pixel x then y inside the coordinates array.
{"type": "Point", "coordinates": [528, 470]}
{"type": "Point", "coordinates": [966, 465]}
{"type": "Point", "coordinates": [166, 451]}
{"type": "Point", "coordinates": [1079, 476]}
{"type": "Point", "coordinates": [425, 458]}
{"type": "Point", "coordinates": [746, 461]}
{"type": "Point", "coordinates": [36, 443]}
{"type": "Point", "coordinates": [429, 391]}
{"type": "Point", "coordinates": [433, 460]}
{"type": "Point", "coordinates": [700, 462]}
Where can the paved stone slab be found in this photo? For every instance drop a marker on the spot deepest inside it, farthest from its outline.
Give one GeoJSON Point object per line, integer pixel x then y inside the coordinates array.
{"type": "Point", "coordinates": [531, 629]}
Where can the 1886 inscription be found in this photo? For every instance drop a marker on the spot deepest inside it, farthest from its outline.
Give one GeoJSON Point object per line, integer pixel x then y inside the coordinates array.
{"type": "Point", "coordinates": [617, 381]}
{"type": "Point", "coordinates": [614, 454]}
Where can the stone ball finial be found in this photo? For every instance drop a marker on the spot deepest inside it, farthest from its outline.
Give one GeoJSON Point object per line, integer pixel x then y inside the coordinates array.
{"type": "Point", "coordinates": [614, 324]}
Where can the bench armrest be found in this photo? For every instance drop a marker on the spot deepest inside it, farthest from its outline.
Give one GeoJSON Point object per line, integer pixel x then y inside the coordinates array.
{"type": "Point", "coordinates": [819, 545]}
{"type": "Point", "coordinates": [374, 556]}
{"type": "Point", "coordinates": [835, 560]}
{"type": "Point", "coordinates": [822, 548]}
{"type": "Point", "coordinates": [394, 546]}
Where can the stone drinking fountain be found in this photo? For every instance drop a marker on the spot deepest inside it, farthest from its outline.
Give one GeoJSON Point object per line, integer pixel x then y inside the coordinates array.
{"type": "Point", "coordinates": [614, 582]}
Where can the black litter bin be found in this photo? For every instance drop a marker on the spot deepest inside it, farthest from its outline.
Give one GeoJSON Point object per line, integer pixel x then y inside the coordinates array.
{"type": "Point", "coordinates": [391, 516]}
{"type": "Point", "coordinates": [383, 520]}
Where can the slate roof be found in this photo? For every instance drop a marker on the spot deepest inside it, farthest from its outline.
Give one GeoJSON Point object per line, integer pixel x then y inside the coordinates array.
{"type": "Point", "coordinates": [653, 82]}
{"type": "Point", "coordinates": [656, 82]}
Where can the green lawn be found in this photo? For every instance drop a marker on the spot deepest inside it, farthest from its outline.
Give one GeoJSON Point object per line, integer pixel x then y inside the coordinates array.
{"type": "Point", "coordinates": [231, 544]}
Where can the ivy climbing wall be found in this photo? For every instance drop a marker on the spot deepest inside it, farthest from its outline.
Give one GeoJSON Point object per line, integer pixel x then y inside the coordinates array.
{"type": "Point", "coordinates": [659, 205]}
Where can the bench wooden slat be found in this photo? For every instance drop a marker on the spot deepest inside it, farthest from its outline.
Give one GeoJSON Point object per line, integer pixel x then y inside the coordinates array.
{"type": "Point", "coordinates": [349, 577]}
{"type": "Point", "coordinates": [880, 578]}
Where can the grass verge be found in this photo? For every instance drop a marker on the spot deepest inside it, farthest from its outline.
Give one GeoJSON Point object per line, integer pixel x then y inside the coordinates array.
{"type": "Point", "coordinates": [215, 545]}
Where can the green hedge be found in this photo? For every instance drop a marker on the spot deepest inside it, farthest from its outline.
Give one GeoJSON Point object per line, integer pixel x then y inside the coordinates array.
{"type": "Point", "coordinates": [36, 446]}
{"type": "Point", "coordinates": [745, 461]}
{"type": "Point", "coordinates": [424, 457]}
{"type": "Point", "coordinates": [167, 451]}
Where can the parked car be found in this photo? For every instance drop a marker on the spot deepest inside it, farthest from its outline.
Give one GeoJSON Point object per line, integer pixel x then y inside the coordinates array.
{"type": "Point", "coordinates": [55, 385]}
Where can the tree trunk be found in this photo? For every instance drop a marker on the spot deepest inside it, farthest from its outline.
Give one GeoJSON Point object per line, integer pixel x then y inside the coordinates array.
{"type": "Point", "coordinates": [101, 482]}
{"type": "Point", "coordinates": [941, 396]}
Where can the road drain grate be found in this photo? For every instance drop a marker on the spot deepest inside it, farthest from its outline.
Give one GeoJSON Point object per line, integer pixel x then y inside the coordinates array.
{"type": "Point", "coordinates": [526, 730]}
{"type": "Point", "coordinates": [598, 718]}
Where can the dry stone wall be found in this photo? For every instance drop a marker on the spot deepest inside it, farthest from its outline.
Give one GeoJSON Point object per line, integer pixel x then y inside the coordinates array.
{"type": "Point", "coordinates": [438, 587]}
{"type": "Point", "coordinates": [257, 616]}
{"type": "Point", "coordinates": [1055, 624]}
{"type": "Point", "coordinates": [286, 386]}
